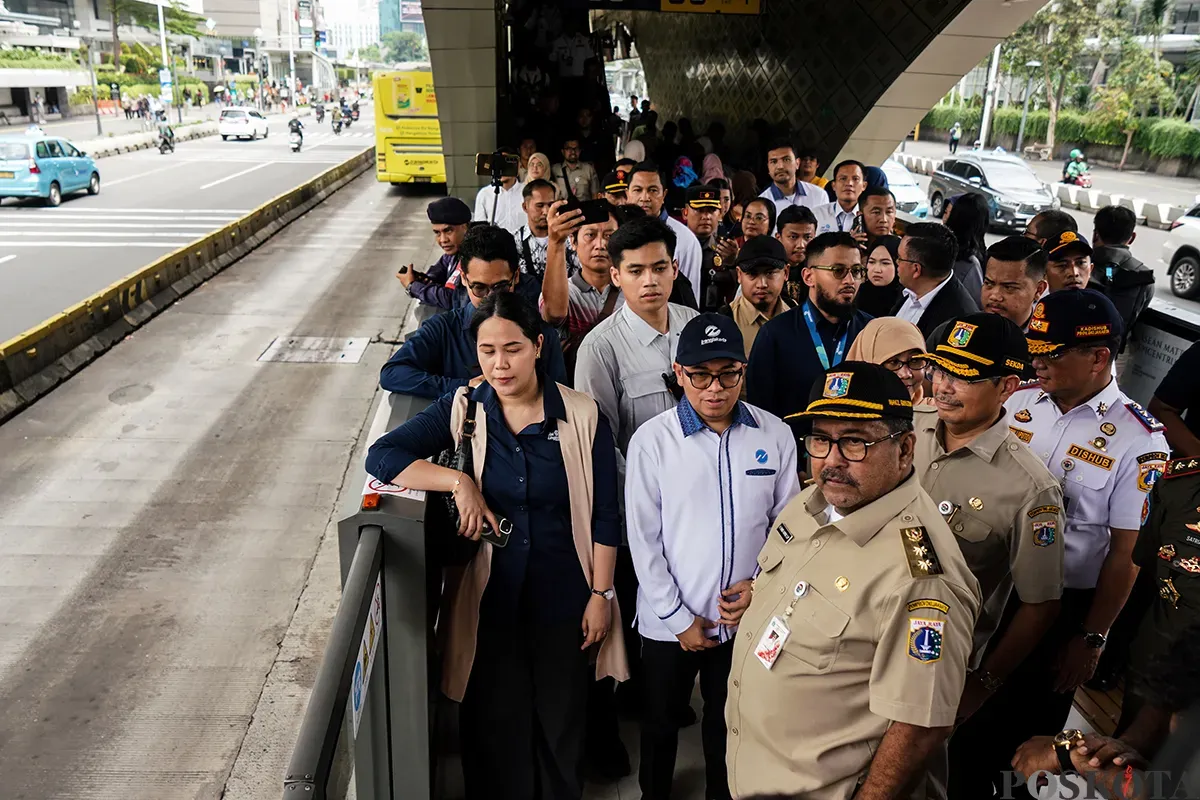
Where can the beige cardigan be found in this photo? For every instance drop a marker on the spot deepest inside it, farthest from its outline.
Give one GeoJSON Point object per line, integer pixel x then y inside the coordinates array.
{"type": "Point", "coordinates": [575, 437]}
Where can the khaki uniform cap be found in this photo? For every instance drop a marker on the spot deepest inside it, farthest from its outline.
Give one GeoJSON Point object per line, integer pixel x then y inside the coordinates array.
{"type": "Point", "coordinates": [884, 585]}
{"type": "Point", "coordinates": [1006, 511]}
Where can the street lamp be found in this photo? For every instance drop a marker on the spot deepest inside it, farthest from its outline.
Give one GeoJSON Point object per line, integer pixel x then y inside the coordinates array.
{"type": "Point", "coordinates": [1029, 65]}
{"type": "Point", "coordinates": [258, 48]}
{"type": "Point", "coordinates": [91, 72]}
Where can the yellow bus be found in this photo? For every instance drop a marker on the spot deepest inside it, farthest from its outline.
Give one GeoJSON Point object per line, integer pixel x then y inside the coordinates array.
{"type": "Point", "coordinates": [408, 140]}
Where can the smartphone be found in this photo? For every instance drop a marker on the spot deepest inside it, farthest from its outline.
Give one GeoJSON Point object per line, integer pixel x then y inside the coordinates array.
{"type": "Point", "coordinates": [594, 211]}
{"type": "Point", "coordinates": [497, 538]}
{"type": "Point", "coordinates": [859, 225]}
{"type": "Point", "coordinates": [418, 276]}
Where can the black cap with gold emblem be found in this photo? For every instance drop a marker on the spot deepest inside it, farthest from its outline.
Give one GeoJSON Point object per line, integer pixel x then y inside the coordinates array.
{"type": "Point", "coordinates": [701, 196]}
{"type": "Point", "coordinates": [1067, 242]}
{"type": "Point", "coordinates": [857, 390]}
{"type": "Point", "coordinates": [1072, 318]}
{"type": "Point", "coordinates": [981, 346]}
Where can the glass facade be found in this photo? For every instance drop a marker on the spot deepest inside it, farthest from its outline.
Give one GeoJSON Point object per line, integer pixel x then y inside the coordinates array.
{"type": "Point", "coordinates": [1187, 19]}
{"type": "Point", "coordinates": [63, 9]}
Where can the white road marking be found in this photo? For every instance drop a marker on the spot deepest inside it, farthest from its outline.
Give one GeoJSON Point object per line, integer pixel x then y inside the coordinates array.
{"type": "Point", "coordinates": [7, 258]}
{"type": "Point", "coordinates": [71, 209]}
{"type": "Point", "coordinates": [113, 235]}
{"type": "Point", "coordinates": [201, 226]}
{"type": "Point", "coordinates": [141, 175]}
{"type": "Point", "coordinates": [236, 175]}
{"type": "Point", "coordinates": [83, 221]}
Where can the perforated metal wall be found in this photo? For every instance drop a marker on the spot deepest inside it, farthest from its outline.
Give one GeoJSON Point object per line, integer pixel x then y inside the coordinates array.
{"type": "Point", "coordinates": [811, 67]}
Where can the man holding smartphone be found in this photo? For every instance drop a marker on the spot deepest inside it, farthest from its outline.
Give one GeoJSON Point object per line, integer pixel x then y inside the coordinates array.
{"type": "Point", "coordinates": [849, 180]}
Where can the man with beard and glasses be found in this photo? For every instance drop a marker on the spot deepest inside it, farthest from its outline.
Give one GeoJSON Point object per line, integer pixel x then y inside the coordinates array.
{"type": "Point", "coordinates": [850, 661]}
{"type": "Point", "coordinates": [1001, 502]}
{"type": "Point", "coordinates": [794, 348]}
{"type": "Point", "coordinates": [532, 237]}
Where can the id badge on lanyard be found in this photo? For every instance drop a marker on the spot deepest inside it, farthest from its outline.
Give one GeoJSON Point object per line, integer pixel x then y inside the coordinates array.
{"type": "Point", "coordinates": [819, 345]}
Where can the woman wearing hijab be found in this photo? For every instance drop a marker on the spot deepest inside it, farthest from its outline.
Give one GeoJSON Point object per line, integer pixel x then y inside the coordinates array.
{"type": "Point", "coordinates": [539, 168]}
{"type": "Point", "coordinates": [714, 170]}
{"type": "Point", "coordinates": [636, 151]}
{"type": "Point", "coordinates": [881, 290]}
{"type": "Point", "coordinates": [896, 344]}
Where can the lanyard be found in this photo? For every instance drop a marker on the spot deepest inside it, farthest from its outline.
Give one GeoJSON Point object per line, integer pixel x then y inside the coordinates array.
{"type": "Point", "coordinates": [820, 345]}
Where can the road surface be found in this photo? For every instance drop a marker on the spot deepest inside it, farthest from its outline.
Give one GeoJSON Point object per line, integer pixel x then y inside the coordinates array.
{"type": "Point", "coordinates": [149, 205]}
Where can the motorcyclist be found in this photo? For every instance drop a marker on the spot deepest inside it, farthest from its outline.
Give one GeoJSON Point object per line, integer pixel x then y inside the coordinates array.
{"type": "Point", "coordinates": [1076, 167]}
{"type": "Point", "coordinates": [296, 126]}
{"type": "Point", "coordinates": [337, 119]}
{"type": "Point", "coordinates": [319, 110]}
{"type": "Point", "coordinates": [166, 134]}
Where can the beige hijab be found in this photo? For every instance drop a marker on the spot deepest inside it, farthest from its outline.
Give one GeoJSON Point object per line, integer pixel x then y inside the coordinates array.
{"type": "Point", "coordinates": [884, 338]}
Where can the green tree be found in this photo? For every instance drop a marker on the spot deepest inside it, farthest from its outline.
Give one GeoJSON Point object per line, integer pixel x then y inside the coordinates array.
{"type": "Point", "coordinates": [176, 19]}
{"type": "Point", "coordinates": [370, 53]}
{"type": "Point", "coordinates": [404, 46]}
{"type": "Point", "coordinates": [1136, 85]}
{"type": "Point", "coordinates": [1055, 38]}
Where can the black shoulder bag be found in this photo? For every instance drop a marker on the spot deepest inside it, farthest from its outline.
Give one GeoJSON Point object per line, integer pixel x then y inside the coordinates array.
{"type": "Point", "coordinates": [441, 528]}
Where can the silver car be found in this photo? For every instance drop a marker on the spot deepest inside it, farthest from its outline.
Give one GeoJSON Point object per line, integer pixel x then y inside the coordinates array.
{"type": "Point", "coordinates": [1013, 192]}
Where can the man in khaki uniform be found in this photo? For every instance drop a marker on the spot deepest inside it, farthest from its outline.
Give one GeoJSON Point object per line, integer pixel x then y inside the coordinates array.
{"type": "Point", "coordinates": [851, 659]}
{"type": "Point", "coordinates": [1000, 500]}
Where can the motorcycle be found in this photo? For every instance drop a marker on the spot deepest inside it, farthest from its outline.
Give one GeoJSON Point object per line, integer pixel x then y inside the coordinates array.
{"type": "Point", "coordinates": [295, 138]}
{"type": "Point", "coordinates": [320, 111]}
{"type": "Point", "coordinates": [1082, 181]}
{"type": "Point", "coordinates": [337, 127]}
{"type": "Point", "coordinates": [165, 145]}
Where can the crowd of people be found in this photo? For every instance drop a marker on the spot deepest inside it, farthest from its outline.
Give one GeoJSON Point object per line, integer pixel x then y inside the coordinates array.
{"type": "Point", "coordinates": [877, 492]}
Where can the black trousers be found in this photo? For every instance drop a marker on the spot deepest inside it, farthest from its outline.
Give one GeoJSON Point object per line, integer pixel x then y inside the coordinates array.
{"type": "Point", "coordinates": [522, 718]}
{"type": "Point", "coordinates": [669, 673]}
{"type": "Point", "coordinates": [982, 748]}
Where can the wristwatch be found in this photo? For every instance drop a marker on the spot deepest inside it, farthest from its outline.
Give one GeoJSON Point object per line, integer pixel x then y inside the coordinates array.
{"type": "Point", "coordinates": [1094, 640]}
{"type": "Point", "coordinates": [607, 594]}
{"type": "Point", "coordinates": [988, 680]}
{"type": "Point", "coordinates": [1063, 742]}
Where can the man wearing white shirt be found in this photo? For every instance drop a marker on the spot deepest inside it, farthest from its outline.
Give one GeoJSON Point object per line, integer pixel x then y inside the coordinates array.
{"type": "Point", "coordinates": [509, 209]}
{"type": "Point", "coordinates": [533, 237]}
{"type": "Point", "coordinates": [932, 294]}
{"type": "Point", "coordinates": [646, 191]}
{"type": "Point", "coordinates": [704, 482]}
{"type": "Point", "coordinates": [785, 190]}
{"type": "Point", "coordinates": [849, 180]}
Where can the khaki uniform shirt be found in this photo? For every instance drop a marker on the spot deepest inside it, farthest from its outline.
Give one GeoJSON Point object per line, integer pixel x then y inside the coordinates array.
{"type": "Point", "coordinates": [1004, 507]}
{"type": "Point", "coordinates": [750, 320]}
{"type": "Point", "coordinates": [881, 633]}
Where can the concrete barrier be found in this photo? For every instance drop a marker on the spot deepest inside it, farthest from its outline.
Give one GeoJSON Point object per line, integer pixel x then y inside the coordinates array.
{"type": "Point", "coordinates": [1068, 194]}
{"type": "Point", "coordinates": [1161, 215]}
{"type": "Point", "coordinates": [34, 362]}
{"type": "Point", "coordinates": [128, 142]}
{"type": "Point", "coordinates": [1089, 200]}
{"type": "Point", "coordinates": [1110, 199]}
{"type": "Point", "coordinates": [1137, 205]}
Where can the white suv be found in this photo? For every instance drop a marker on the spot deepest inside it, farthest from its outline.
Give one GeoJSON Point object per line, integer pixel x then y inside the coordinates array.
{"type": "Point", "coordinates": [242, 123]}
{"type": "Point", "coordinates": [1181, 254]}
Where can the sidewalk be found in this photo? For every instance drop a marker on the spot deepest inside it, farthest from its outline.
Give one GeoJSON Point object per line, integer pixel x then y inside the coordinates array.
{"type": "Point", "coordinates": [1154, 188]}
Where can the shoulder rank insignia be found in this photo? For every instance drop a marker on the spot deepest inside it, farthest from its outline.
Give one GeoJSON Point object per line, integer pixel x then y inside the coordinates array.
{"type": "Point", "coordinates": [1182, 466]}
{"type": "Point", "coordinates": [922, 559]}
{"type": "Point", "coordinates": [1143, 416]}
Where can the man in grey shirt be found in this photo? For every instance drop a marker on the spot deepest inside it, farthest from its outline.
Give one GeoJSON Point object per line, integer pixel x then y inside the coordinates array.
{"type": "Point", "coordinates": [624, 364]}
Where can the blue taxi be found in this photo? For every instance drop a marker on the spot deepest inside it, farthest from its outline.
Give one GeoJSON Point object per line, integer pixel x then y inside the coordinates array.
{"type": "Point", "coordinates": [35, 164]}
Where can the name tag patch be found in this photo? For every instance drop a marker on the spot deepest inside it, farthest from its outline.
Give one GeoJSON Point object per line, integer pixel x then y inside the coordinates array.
{"type": "Point", "coordinates": [784, 533]}
{"type": "Point", "coordinates": [760, 472]}
{"type": "Point", "coordinates": [1022, 434]}
{"type": "Point", "coordinates": [925, 639]}
{"type": "Point", "coordinates": [1033, 512]}
{"type": "Point", "coordinates": [927, 602]}
{"type": "Point", "coordinates": [1090, 457]}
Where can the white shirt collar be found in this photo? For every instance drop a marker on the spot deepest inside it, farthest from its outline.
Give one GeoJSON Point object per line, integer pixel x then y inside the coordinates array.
{"type": "Point", "coordinates": [923, 302]}
{"type": "Point", "coordinates": [643, 331]}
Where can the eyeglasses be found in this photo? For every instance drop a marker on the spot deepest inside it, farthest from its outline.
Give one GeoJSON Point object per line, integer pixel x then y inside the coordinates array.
{"type": "Point", "coordinates": [840, 271]}
{"type": "Point", "coordinates": [950, 377]}
{"type": "Point", "coordinates": [484, 289]}
{"type": "Point", "coordinates": [916, 364]}
{"type": "Point", "coordinates": [728, 380]}
{"type": "Point", "coordinates": [1056, 356]}
{"type": "Point", "coordinates": [909, 261]}
{"type": "Point", "coordinates": [759, 218]}
{"type": "Point", "coordinates": [852, 448]}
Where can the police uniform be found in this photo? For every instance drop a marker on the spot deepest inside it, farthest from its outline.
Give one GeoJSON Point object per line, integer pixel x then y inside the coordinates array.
{"type": "Point", "coordinates": [999, 499]}
{"type": "Point", "coordinates": [1168, 552]}
{"type": "Point", "coordinates": [1106, 454]}
{"type": "Point", "coordinates": [855, 622]}
{"type": "Point", "coordinates": [717, 283]}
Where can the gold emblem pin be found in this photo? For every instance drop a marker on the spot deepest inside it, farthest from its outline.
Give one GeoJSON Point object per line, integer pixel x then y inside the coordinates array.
{"type": "Point", "coordinates": [1168, 592]}
{"type": "Point", "coordinates": [1099, 442]}
{"type": "Point", "coordinates": [1102, 408]}
{"type": "Point", "coordinates": [1109, 429]}
{"type": "Point", "coordinates": [842, 583]}
{"type": "Point", "coordinates": [976, 503]}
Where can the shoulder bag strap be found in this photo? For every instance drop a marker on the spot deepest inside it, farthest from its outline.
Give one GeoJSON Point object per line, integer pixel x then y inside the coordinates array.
{"type": "Point", "coordinates": [610, 303]}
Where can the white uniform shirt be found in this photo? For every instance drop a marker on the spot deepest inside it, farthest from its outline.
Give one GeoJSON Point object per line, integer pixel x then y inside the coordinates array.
{"type": "Point", "coordinates": [831, 217]}
{"type": "Point", "coordinates": [806, 194]}
{"type": "Point", "coordinates": [1103, 487]}
{"type": "Point", "coordinates": [913, 306]}
{"type": "Point", "coordinates": [688, 253]}
{"type": "Point", "coordinates": [699, 507]}
{"type": "Point", "coordinates": [509, 213]}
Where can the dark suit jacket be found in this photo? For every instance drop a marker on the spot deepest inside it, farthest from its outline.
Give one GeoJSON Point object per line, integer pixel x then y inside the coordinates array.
{"type": "Point", "coordinates": [952, 301]}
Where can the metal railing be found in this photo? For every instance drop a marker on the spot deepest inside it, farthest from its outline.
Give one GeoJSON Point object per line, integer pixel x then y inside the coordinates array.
{"type": "Point", "coordinates": [371, 707]}
{"type": "Point", "coordinates": [312, 761]}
